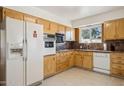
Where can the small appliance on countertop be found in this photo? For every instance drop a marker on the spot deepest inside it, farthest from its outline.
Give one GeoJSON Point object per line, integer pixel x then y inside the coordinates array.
{"type": "Point", "coordinates": [115, 46]}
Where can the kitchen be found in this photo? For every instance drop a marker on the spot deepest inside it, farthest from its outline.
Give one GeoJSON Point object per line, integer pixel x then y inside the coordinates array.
{"type": "Point", "coordinates": [62, 54]}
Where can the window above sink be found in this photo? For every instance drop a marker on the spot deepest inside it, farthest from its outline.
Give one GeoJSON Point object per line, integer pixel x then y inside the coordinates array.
{"type": "Point", "coordinates": [91, 34]}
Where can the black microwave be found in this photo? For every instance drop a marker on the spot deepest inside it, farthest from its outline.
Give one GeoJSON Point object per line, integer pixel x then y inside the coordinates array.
{"type": "Point", "coordinates": [60, 38]}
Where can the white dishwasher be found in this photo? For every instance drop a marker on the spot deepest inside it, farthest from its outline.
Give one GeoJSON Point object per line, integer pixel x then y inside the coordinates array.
{"type": "Point", "coordinates": [101, 62]}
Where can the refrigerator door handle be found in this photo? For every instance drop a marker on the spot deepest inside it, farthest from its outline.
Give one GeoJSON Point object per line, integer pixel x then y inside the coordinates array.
{"type": "Point", "coordinates": [23, 51]}
{"type": "Point", "coordinates": [26, 51]}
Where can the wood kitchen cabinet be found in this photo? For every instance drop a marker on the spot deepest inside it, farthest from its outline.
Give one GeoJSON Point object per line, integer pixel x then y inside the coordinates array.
{"type": "Point", "coordinates": [71, 59]}
{"type": "Point", "coordinates": [49, 27]}
{"type": "Point", "coordinates": [88, 60]}
{"type": "Point", "coordinates": [109, 30]}
{"type": "Point", "coordinates": [84, 59]}
{"type": "Point", "coordinates": [70, 34]}
{"type": "Point", "coordinates": [78, 59]}
{"type": "Point", "coordinates": [117, 64]}
{"type": "Point", "coordinates": [77, 34]}
{"type": "Point", "coordinates": [30, 18]}
{"type": "Point", "coordinates": [13, 14]}
{"type": "Point", "coordinates": [61, 29]}
{"type": "Point", "coordinates": [120, 29]}
{"type": "Point", "coordinates": [62, 61]}
{"type": "Point", "coordinates": [46, 25]}
{"type": "Point", "coordinates": [53, 28]}
{"type": "Point", "coordinates": [49, 65]}
{"type": "Point", "coordinates": [1, 14]}
{"type": "Point", "coordinates": [114, 30]}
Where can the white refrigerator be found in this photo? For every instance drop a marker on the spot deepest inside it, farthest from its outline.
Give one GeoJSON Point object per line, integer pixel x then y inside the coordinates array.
{"type": "Point", "coordinates": [24, 52]}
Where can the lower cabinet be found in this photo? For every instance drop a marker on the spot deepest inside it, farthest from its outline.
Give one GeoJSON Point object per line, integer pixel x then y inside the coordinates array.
{"type": "Point", "coordinates": [66, 59]}
{"type": "Point", "coordinates": [88, 60]}
{"type": "Point", "coordinates": [62, 61]}
{"type": "Point", "coordinates": [71, 59]}
{"type": "Point", "coordinates": [117, 64]}
{"type": "Point", "coordinates": [78, 58]}
{"type": "Point", "coordinates": [84, 59]}
{"type": "Point", "coordinates": [49, 65]}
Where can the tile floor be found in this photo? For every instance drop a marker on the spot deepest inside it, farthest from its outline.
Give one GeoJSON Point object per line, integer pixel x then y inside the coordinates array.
{"type": "Point", "coordinates": [80, 77]}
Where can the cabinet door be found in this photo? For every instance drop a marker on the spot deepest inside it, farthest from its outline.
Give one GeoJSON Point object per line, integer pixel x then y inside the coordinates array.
{"type": "Point", "coordinates": [109, 30]}
{"type": "Point", "coordinates": [30, 18]}
{"type": "Point", "coordinates": [87, 62]}
{"type": "Point", "coordinates": [49, 65]}
{"type": "Point", "coordinates": [70, 34]}
{"type": "Point", "coordinates": [46, 66]}
{"type": "Point", "coordinates": [61, 29]}
{"type": "Point", "coordinates": [73, 34]}
{"type": "Point", "coordinates": [14, 14]}
{"type": "Point", "coordinates": [120, 29]}
{"type": "Point", "coordinates": [78, 60]}
{"type": "Point", "coordinates": [115, 72]}
{"type": "Point", "coordinates": [46, 25]}
{"type": "Point", "coordinates": [71, 60]}
{"type": "Point", "coordinates": [53, 28]}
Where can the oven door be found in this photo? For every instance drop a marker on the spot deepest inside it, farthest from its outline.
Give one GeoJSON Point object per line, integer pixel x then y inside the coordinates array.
{"type": "Point", "coordinates": [59, 38]}
{"type": "Point", "coordinates": [49, 44]}
{"type": "Point", "coordinates": [49, 47]}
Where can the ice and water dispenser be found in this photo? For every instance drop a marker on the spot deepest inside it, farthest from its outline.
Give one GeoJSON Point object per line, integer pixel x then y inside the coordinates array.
{"type": "Point", "coordinates": [15, 50]}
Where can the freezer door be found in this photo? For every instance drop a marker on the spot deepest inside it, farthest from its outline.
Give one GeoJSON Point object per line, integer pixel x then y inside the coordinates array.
{"type": "Point", "coordinates": [14, 52]}
{"type": "Point", "coordinates": [34, 64]}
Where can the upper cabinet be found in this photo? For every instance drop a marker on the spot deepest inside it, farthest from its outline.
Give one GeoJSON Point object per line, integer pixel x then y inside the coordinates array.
{"type": "Point", "coordinates": [109, 30]}
{"type": "Point", "coordinates": [53, 28]}
{"type": "Point", "coordinates": [13, 14]}
{"type": "Point", "coordinates": [77, 30]}
{"type": "Point", "coordinates": [61, 29]}
{"type": "Point", "coordinates": [91, 34]}
{"type": "Point", "coordinates": [114, 30]}
{"type": "Point", "coordinates": [30, 18]}
{"type": "Point", "coordinates": [70, 34]}
{"type": "Point", "coordinates": [120, 29]}
{"type": "Point", "coordinates": [46, 25]}
{"type": "Point", "coordinates": [1, 14]}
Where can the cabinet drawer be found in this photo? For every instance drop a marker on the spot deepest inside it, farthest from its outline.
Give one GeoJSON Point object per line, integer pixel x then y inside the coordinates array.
{"type": "Point", "coordinates": [116, 72]}
{"type": "Point", "coordinates": [116, 66]}
{"type": "Point", "coordinates": [122, 67]}
{"type": "Point", "coordinates": [116, 61]}
{"type": "Point", "coordinates": [122, 61]}
{"type": "Point", "coordinates": [62, 66]}
{"type": "Point", "coordinates": [117, 56]}
{"type": "Point", "coordinates": [122, 73]}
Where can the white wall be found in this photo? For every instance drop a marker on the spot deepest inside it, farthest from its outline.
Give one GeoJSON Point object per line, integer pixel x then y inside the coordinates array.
{"type": "Point", "coordinates": [119, 13]}
{"type": "Point", "coordinates": [40, 13]}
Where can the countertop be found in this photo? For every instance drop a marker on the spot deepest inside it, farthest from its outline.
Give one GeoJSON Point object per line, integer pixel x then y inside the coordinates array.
{"type": "Point", "coordinates": [85, 50]}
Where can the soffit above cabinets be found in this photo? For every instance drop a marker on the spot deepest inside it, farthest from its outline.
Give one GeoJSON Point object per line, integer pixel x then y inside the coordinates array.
{"type": "Point", "coordinates": [77, 12]}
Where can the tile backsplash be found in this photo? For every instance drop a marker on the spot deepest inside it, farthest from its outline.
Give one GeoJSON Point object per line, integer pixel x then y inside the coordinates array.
{"type": "Point", "coordinates": [76, 45]}
{"type": "Point", "coordinates": [116, 45]}
{"type": "Point", "coordinates": [93, 46]}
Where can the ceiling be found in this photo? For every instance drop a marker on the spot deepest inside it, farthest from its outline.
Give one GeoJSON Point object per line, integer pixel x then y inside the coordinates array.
{"type": "Point", "coordinates": [77, 12]}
